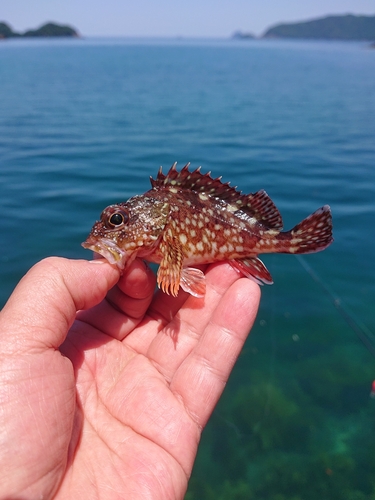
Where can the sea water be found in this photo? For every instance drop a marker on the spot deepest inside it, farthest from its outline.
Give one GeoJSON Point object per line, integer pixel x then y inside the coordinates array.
{"type": "Point", "coordinates": [84, 123]}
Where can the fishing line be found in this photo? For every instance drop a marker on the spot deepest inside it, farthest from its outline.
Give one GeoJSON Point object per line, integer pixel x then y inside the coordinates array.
{"type": "Point", "coordinates": [363, 333]}
{"type": "Point", "coordinates": [273, 354]}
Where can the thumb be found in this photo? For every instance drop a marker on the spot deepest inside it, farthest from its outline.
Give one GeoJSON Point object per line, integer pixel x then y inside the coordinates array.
{"type": "Point", "coordinates": [44, 304]}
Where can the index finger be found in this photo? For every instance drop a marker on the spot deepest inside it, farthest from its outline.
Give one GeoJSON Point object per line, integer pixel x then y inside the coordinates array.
{"type": "Point", "coordinates": [125, 304]}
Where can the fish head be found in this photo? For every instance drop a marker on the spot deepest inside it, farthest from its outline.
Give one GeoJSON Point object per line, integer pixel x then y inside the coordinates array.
{"type": "Point", "coordinates": [129, 229]}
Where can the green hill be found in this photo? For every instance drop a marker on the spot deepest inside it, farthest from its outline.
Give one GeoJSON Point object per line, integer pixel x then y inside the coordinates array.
{"type": "Point", "coordinates": [6, 31]}
{"type": "Point", "coordinates": [347, 27]}
{"type": "Point", "coordinates": [47, 30]}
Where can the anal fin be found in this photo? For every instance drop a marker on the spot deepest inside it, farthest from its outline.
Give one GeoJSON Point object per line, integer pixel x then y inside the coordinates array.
{"type": "Point", "coordinates": [253, 268]}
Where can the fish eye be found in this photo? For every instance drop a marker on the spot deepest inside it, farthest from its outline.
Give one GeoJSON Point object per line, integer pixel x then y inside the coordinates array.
{"type": "Point", "coordinates": [118, 219]}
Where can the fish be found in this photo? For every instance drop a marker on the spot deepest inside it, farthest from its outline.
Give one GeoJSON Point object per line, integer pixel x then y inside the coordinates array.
{"type": "Point", "coordinates": [188, 218]}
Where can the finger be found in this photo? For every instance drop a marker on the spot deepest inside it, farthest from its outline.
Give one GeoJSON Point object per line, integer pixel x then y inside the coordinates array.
{"type": "Point", "coordinates": [201, 378]}
{"type": "Point", "coordinates": [44, 304]}
{"type": "Point", "coordinates": [161, 312]}
{"type": "Point", "coordinates": [154, 321]}
{"type": "Point", "coordinates": [125, 304]}
{"type": "Point", "coordinates": [170, 347]}
{"type": "Point", "coordinates": [164, 307]}
{"type": "Point", "coordinates": [134, 289]}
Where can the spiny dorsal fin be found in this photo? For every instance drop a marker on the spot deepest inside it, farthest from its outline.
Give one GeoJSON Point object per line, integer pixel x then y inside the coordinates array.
{"type": "Point", "coordinates": [195, 181]}
{"type": "Point", "coordinates": [258, 205]}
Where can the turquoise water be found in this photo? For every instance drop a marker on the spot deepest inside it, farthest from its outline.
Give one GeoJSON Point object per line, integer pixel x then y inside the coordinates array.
{"type": "Point", "coordinates": [84, 123]}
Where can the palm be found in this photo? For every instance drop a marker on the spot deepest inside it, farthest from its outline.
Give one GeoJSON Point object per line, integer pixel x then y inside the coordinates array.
{"type": "Point", "coordinates": [134, 432]}
{"type": "Point", "coordinates": [138, 387]}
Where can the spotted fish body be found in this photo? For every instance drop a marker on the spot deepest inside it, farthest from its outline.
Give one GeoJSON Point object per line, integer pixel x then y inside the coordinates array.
{"type": "Point", "coordinates": [189, 218]}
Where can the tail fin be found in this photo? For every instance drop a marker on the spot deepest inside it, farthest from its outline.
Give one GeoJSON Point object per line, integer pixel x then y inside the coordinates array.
{"type": "Point", "coordinates": [313, 234]}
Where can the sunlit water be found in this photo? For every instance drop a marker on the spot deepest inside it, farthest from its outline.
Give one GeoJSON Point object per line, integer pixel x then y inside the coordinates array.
{"type": "Point", "coordinates": [84, 123]}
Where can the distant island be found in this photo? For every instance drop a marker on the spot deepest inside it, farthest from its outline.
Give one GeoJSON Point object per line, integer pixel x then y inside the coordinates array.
{"type": "Point", "coordinates": [346, 27]}
{"type": "Point", "coordinates": [241, 35]}
{"type": "Point", "coordinates": [47, 30]}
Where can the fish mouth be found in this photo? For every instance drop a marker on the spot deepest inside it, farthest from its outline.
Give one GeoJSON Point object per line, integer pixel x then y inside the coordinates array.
{"type": "Point", "coordinates": [107, 249]}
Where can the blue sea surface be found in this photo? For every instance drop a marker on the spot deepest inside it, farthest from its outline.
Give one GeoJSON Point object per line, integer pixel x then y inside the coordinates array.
{"type": "Point", "coordinates": [84, 123]}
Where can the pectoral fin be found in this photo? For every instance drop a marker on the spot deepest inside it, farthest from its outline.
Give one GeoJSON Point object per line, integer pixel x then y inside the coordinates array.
{"type": "Point", "coordinates": [169, 272]}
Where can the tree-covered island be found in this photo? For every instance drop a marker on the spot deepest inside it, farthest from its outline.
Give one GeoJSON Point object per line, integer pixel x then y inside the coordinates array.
{"type": "Point", "coordinates": [346, 27]}
{"type": "Point", "coordinates": [47, 30]}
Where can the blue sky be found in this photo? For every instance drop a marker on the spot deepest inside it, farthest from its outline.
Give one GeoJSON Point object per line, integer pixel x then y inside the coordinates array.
{"type": "Point", "coordinates": [212, 18]}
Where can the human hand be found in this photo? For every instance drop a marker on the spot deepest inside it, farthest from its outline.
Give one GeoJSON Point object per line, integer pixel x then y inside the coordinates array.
{"type": "Point", "coordinates": [114, 408]}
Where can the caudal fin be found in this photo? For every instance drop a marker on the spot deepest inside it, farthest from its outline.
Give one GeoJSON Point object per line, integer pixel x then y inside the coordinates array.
{"type": "Point", "coordinates": [313, 234]}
